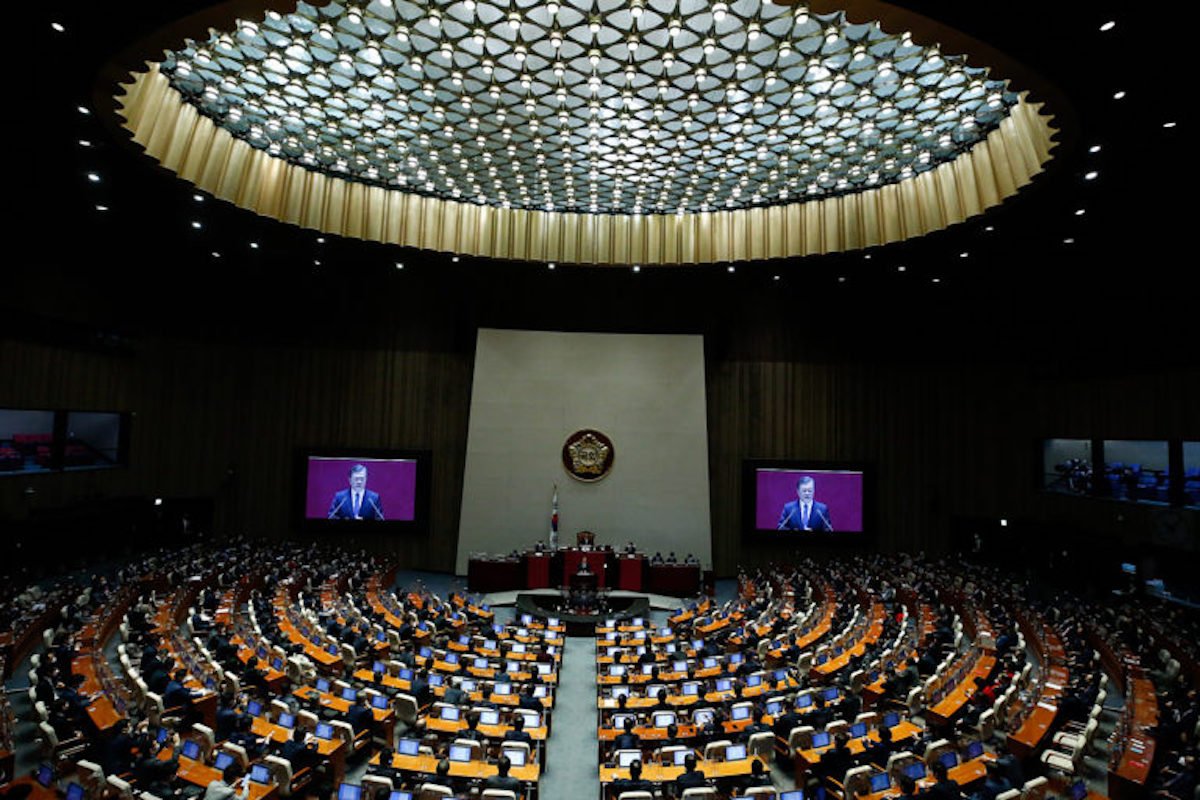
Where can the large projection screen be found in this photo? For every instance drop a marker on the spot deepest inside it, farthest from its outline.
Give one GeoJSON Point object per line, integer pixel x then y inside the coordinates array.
{"type": "Point", "coordinates": [533, 389]}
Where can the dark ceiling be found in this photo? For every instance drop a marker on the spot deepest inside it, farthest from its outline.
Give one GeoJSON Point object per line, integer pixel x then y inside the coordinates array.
{"type": "Point", "coordinates": [1121, 288]}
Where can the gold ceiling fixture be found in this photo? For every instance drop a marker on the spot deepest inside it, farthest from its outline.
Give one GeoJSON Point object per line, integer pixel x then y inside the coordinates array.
{"type": "Point", "coordinates": [655, 132]}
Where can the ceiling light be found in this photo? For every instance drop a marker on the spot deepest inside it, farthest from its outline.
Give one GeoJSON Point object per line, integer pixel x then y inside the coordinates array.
{"type": "Point", "coordinates": [1079, 212]}
{"type": "Point", "coordinates": [399, 265]}
{"type": "Point", "coordinates": [841, 279]}
{"type": "Point", "coordinates": [454, 259]}
{"type": "Point", "coordinates": [316, 263]}
{"type": "Point", "coordinates": [84, 143]}
{"type": "Point", "coordinates": [1119, 95]}
{"type": "Point", "coordinates": [637, 268]}
{"type": "Point", "coordinates": [215, 254]}
{"type": "Point", "coordinates": [1168, 124]}
{"type": "Point", "coordinates": [320, 240]}
{"type": "Point", "coordinates": [1091, 176]}
{"type": "Point", "coordinates": [937, 280]}
{"type": "Point", "coordinates": [1094, 148]}
{"type": "Point", "coordinates": [990, 228]}
{"type": "Point", "coordinates": [1069, 240]}
{"type": "Point", "coordinates": [93, 177]}
{"type": "Point", "coordinates": [964, 254]}
{"type": "Point", "coordinates": [196, 224]}
{"type": "Point", "coordinates": [729, 268]}
{"type": "Point", "coordinates": [254, 245]}
{"type": "Point", "coordinates": [57, 26]}
{"type": "Point", "coordinates": [102, 208]}
{"type": "Point", "coordinates": [901, 268]}
{"type": "Point", "coordinates": [775, 277]}
{"type": "Point", "coordinates": [1108, 26]}
{"type": "Point", "coordinates": [83, 110]}
{"type": "Point", "coordinates": [199, 198]}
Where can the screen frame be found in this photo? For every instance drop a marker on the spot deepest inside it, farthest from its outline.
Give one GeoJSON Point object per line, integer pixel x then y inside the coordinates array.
{"type": "Point", "coordinates": [750, 468]}
{"type": "Point", "coordinates": [419, 524]}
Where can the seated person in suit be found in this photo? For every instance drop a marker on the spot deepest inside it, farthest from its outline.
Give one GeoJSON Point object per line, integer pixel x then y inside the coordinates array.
{"type": "Point", "coordinates": [472, 731]}
{"type": "Point", "coordinates": [943, 788]}
{"type": "Point", "coordinates": [634, 783]}
{"type": "Point", "coordinates": [758, 777]}
{"type": "Point", "coordinates": [804, 513]}
{"type": "Point", "coordinates": [835, 763]}
{"type": "Point", "coordinates": [356, 502]}
{"type": "Point", "coordinates": [995, 784]}
{"type": "Point", "coordinates": [518, 732]}
{"type": "Point", "coordinates": [758, 726]}
{"type": "Point", "coordinates": [691, 777]}
{"type": "Point", "coordinates": [877, 752]}
{"type": "Point", "coordinates": [440, 778]}
{"type": "Point", "coordinates": [298, 753]}
{"type": "Point", "coordinates": [226, 787]}
{"type": "Point", "coordinates": [627, 740]}
{"type": "Point", "coordinates": [908, 787]}
{"type": "Point", "coordinates": [502, 780]}
{"type": "Point", "coordinates": [528, 701]}
{"type": "Point", "coordinates": [359, 716]}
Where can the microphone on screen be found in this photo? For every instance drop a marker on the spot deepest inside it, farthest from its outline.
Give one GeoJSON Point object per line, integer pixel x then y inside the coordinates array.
{"type": "Point", "coordinates": [334, 512]}
{"type": "Point", "coordinates": [378, 512]}
{"type": "Point", "coordinates": [825, 519]}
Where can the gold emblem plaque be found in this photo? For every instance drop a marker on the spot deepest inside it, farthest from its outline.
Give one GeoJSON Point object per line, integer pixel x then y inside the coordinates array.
{"type": "Point", "coordinates": [588, 455]}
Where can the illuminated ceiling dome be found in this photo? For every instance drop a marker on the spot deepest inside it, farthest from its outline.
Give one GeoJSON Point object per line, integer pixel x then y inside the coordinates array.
{"type": "Point", "coordinates": [700, 131]}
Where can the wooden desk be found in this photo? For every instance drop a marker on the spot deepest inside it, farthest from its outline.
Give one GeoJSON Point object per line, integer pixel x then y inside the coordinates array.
{"type": "Point", "coordinates": [198, 773]}
{"type": "Point", "coordinates": [953, 703]}
{"type": "Point", "coordinates": [807, 759]}
{"type": "Point", "coordinates": [333, 749]}
{"type": "Point", "coordinates": [713, 770]}
{"type": "Point", "coordinates": [460, 769]}
{"type": "Point", "coordinates": [963, 774]}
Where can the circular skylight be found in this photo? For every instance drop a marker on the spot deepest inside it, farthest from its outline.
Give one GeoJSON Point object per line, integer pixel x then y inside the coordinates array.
{"type": "Point", "coordinates": [661, 106]}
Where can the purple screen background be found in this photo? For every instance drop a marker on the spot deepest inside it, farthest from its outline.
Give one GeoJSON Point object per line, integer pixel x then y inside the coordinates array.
{"type": "Point", "coordinates": [395, 480]}
{"type": "Point", "coordinates": [841, 491]}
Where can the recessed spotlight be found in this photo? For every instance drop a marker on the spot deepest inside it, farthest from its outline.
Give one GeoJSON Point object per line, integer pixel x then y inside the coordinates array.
{"type": "Point", "coordinates": [196, 224]}
{"type": "Point", "coordinates": [551, 265]}
{"type": "Point", "coordinates": [990, 228]}
{"type": "Point", "coordinates": [158, 501]}
{"type": "Point", "coordinates": [454, 259]}
{"type": "Point", "coordinates": [83, 110]}
{"type": "Point", "coordinates": [1108, 26]}
{"type": "Point", "coordinates": [964, 254]}
{"type": "Point", "coordinates": [399, 265]}
{"type": "Point", "coordinates": [93, 177]}
{"type": "Point", "coordinates": [937, 280]}
{"type": "Point", "coordinates": [1079, 212]}
{"type": "Point", "coordinates": [1069, 240]}
{"type": "Point", "coordinates": [841, 279]}
{"type": "Point", "coordinates": [867, 256]}
{"type": "Point", "coordinates": [215, 254]}
{"type": "Point", "coordinates": [637, 268]}
{"type": "Point", "coordinates": [901, 268]}
{"type": "Point", "coordinates": [102, 208]}
{"type": "Point", "coordinates": [320, 240]}
{"type": "Point", "coordinates": [316, 262]}
{"type": "Point", "coordinates": [729, 268]}
{"type": "Point", "coordinates": [1119, 95]}
{"type": "Point", "coordinates": [254, 245]}
{"type": "Point", "coordinates": [776, 277]}
{"type": "Point", "coordinates": [84, 143]}
{"type": "Point", "coordinates": [199, 198]}
{"type": "Point", "coordinates": [57, 26]}
{"type": "Point", "coordinates": [1091, 176]}
{"type": "Point", "coordinates": [1168, 124]}
{"type": "Point", "coordinates": [1094, 148]}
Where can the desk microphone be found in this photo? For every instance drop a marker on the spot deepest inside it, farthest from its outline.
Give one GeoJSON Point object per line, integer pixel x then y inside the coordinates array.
{"type": "Point", "coordinates": [825, 519]}
{"type": "Point", "coordinates": [335, 511]}
{"type": "Point", "coordinates": [378, 513]}
{"type": "Point", "coordinates": [783, 522]}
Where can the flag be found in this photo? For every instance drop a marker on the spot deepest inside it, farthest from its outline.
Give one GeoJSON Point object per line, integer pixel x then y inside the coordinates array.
{"type": "Point", "coordinates": [554, 520]}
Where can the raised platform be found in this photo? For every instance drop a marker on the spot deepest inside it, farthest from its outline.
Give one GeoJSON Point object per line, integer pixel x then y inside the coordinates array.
{"type": "Point", "coordinates": [552, 604]}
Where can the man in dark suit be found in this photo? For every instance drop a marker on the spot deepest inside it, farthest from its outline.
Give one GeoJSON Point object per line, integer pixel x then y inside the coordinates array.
{"type": "Point", "coordinates": [634, 783]}
{"type": "Point", "coordinates": [357, 502]}
{"type": "Point", "coordinates": [943, 788]}
{"type": "Point", "coordinates": [359, 716]}
{"type": "Point", "coordinates": [518, 732]}
{"type": "Point", "coordinates": [804, 513]}
{"type": "Point", "coordinates": [298, 753]}
{"type": "Point", "coordinates": [627, 740]}
{"type": "Point", "coordinates": [691, 777]}
{"type": "Point", "coordinates": [502, 780]}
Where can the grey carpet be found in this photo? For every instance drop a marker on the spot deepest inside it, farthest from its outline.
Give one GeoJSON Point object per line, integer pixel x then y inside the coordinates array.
{"type": "Point", "coordinates": [571, 755]}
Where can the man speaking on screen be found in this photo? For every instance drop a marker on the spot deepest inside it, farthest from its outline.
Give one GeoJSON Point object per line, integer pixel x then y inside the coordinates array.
{"type": "Point", "coordinates": [357, 502]}
{"type": "Point", "coordinates": [804, 513]}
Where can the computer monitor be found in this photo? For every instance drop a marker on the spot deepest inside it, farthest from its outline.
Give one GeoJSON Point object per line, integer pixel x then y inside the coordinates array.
{"type": "Point", "coordinates": [408, 747]}
{"type": "Point", "coordinates": [679, 666]}
{"type": "Point", "coordinates": [691, 689]}
{"type": "Point", "coordinates": [724, 684]}
{"type": "Point", "coordinates": [543, 668]}
{"type": "Point", "coordinates": [437, 680]}
{"type": "Point", "coordinates": [348, 791]}
{"type": "Point", "coordinates": [323, 685]}
{"type": "Point", "coordinates": [774, 707]}
{"type": "Point", "coordinates": [74, 791]}
{"type": "Point", "coordinates": [162, 735]}
{"type": "Point", "coordinates": [489, 644]}
{"type": "Point", "coordinates": [616, 670]}
{"type": "Point", "coordinates": [820, 739]}
{"type": "Point", "coordinates": [880, 782]}
{"type": "Point", "coordinates": [949, 759]}
{"type": "Point", "coordinates": [703, 717]}
{"type": "Point", "coordinates": [502, 688]}
{"type": "Point", "coordinates": [638, 622]}
{"type": "Point", "coordinates": [425, 652]}
{"type": "Point", "coordinates": [451, 658]}
{"type": "Point", "coordinates": [450, 713]}
{"type": "Point", "coordinates": [460, 753]}
{"type": "Point", "coordinates": [709, 662]}
{"type": "Point", "coordinates": [512, 667]}
{"type": "Point", "coordinates": [45, 775]}
{"type": "Point", "coordinates": [527, 619]}
{"type": "Point", "coordinates": [324, 731]}
{"type": "Point", "coordinates": [680, 756]}
{"type": "Point", "coordinates": [753, 680]}
{"type": "Point", "coordinates": [467, 685]}
{"type": "Point", "coordinates": [519, 647]}
{"type": "Point", "coordinates": [664, 718]}
{"type": "Point", "coordinates": [915, 770]}
{"type": "Point", "coordinates": [822, 658]}
{"type": "Point", "coordinates": [286, 720]}
{"type": "Point", "coordinates": [830, 694]}
{"type": "Point", "coordinates": [779, 675]}
{"type": "Point", "coordinates": [253, 708]}
{"type": "Point", "coordinates": [260, 774]}
{"type": "Point", "coordinates": [464, 639]}
{"type": "Point", "coordinates": [617, 691]}
{"type": "Point", "coordinates": [332, 649]}
{"type": "Point", "coordinates": [735, 752]}
{"type": "Point", "coordinates": [647, 669]}
{"type": "Point", "coordinates": [858, 730]}
{"type": "Point", "coordinates": [222, 761]}
{"type": "Point", "coordinates": [398, 795]}
{"type": "Point", "coordinates": [516, 757]}
{"type": "Point", "coordinates": [489, 717]}
{"type": "Point", "coordinates": [891, 719]}
{"type": "Point", "coordinates": [480, 663]}
{"type": "Point", "coordinates": [736, 658]}
{"type": "Point", "coordinates": [794, 794]}
{"type": "Point", "coordinates": [627, 757]}
{"type": "Point", "coordinates": [380, 636]}
{"type": "Point", "coordinates": [277, 663]}
{"type": "Point", "coordinates": [974, 750]}
{"type": "Point", "coordinates": [804, 700]}
{"type": "Point", "coordinates": [379, 701]}
{"type": "Point", "coordinates": [191, 749]}
{"type": "Point", "coordinates": [740, 712]}
{"type": "Point", "coordinates": [1079, 790]}
{"type": "Point", "coordinates": [405, 674]}
{"type": "Point", "coordinates": [379, 666]}
{"type": "Point", "coordinates": [670, 648]}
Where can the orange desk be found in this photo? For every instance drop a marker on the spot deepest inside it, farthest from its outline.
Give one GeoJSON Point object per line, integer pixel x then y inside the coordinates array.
{"type": "Point", "coordinates": [659, 773]}
{"type": "Point", "coordinates": [807, 759]}
{"type": "Point", "coordinates": [459, 769]}
{"type": "Point", "coordinates": [953, 703]}
{"type": "Point", "coordinates": [332, 749]}
{"type": "Point", "coordinates": [963, 774]}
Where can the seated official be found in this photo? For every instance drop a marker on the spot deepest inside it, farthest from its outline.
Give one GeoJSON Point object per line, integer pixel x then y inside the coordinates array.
{"type": "Point", "coordinates": [634, 783]}
{"type": "Point", "coordinates": [502, 780]}
{"type": "Point", "coordinates": [943, 788]}
{"type": "Point", "coordinates": [518, 732]}
{"type": "Point", "coordinates": [627, 740]}
{"type": "Point", "coordinates": [226, 787]}
{"type": "Point", "coordinates": [691, 777]}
